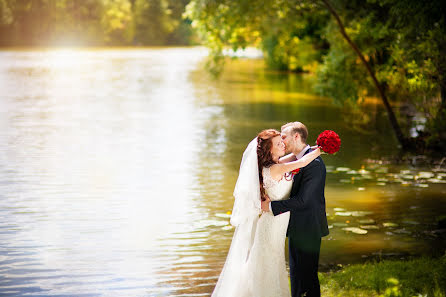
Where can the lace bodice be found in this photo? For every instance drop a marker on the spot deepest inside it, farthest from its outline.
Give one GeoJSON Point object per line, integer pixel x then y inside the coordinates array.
{"type": "Point", "coordinates": [276, 190]}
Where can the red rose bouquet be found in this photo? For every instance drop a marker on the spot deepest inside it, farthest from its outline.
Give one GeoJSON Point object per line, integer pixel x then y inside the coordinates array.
{"type": "Point", "coordinates": [329, 141]}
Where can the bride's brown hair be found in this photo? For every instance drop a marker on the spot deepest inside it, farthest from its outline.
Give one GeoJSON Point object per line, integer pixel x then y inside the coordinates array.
{"type": "Point", "coordinates": [264, 156]}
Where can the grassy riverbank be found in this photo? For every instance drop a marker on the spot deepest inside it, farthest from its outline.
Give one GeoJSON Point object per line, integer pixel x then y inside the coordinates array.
{"type": "Point", "coordinates": [422, 277]}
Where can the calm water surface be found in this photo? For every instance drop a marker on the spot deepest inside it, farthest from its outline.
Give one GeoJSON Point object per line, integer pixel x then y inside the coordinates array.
{"type": "Point", "coordinates": [117, 169]}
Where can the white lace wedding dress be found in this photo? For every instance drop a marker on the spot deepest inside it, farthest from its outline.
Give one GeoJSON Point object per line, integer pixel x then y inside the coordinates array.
{"type": "Point", "coordinates": [264, 273]}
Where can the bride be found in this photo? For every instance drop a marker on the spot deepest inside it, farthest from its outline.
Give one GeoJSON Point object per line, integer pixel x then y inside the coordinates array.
{"type": "Point", "coordinates": [255, 265]}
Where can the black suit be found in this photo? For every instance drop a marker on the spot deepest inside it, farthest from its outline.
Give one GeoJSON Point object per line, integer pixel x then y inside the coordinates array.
{"type": "Point", "coordinates": [308, 223]}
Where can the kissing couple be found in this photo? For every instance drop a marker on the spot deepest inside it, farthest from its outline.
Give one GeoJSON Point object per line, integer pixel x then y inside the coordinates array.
{"type": "Point", "coordinates": [276, 196]}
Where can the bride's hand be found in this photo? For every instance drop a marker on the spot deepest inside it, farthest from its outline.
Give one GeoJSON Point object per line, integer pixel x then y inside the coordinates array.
{"type": "Point", "coordinates": [316, 147]}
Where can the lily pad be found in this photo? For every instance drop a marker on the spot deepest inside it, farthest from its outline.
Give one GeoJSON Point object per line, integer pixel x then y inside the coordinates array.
{"type": "Point", "coordinates": [355, 230]}
{"type": "Point", "coordinates": [370, 227]}
{"type": "Point", "coordinates": [436, 181]}
{"type": "Point", "coordinates": [424, 174]}
{"type": "Point", "coordinates": [422, 185]}
{"type": "Point", "coordinates": [340, 224]}
{"type": "Point", "coordinates": [390, 224]}
{"type": "Point", "coordinates": [367, 221]}
{"type": "Point", "coordinates": [382, 180]}
{"type": "Point", "coordinates": [407, 176]}
{"type": "Point", "coordinates": [342, 169]}
{"type": "Point", "coordinates": [410, 222]}
{"type": "Point", "coordinates": [352, 172]}
{"type": "Point", "coordinates": [345, 181]}
{"type": "Point", "coordinates": [380, 184]}
{"type": "Point", "coordinates": [360, 213]}
{"type": "Point", "coordinates": [338, 209]}
{"type": "Point", "coordinates": [382, 170]}
{"type": "Point", "coordinates": [361, 189]}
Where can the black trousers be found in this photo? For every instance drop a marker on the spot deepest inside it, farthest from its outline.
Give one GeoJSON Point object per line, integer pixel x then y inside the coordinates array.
{"type": "Point", "coordinates": [304, 264]}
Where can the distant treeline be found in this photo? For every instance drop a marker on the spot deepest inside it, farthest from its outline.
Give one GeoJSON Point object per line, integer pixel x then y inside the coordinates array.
{"type": "Point", "coordinates": [94, 22]}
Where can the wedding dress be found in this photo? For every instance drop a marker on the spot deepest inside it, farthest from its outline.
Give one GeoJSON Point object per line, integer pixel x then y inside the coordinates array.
{"type": "Point", "coordinates": [265, 271]}
{"type": "Point", "coordinates": [255, 265]}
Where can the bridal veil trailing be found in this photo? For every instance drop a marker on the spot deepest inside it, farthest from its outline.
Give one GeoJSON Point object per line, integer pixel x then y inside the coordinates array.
{"type": "Point", "coordinates": [245, 214]}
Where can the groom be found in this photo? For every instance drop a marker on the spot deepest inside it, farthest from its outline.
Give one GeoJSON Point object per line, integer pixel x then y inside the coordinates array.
{"type": "Point", "coordinates": [308, 220]}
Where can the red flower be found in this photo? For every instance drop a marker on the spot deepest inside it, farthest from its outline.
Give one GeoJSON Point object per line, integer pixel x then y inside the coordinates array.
{"type": "Point", "coordinates": [295, 171]}
{"type": "Point", "coordinates": [290, 175]}
{"type": "Point", "coordinates": [329, 141]}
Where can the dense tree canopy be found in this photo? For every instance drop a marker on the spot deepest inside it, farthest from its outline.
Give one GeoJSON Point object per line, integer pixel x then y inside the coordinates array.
{"type": "Point", "coordinates": [394, 49]}
{"type": "Point", "coordinates": [93, 22]}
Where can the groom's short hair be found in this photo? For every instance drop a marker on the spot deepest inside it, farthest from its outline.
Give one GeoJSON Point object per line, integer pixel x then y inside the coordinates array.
{"type": "Point", "coordinates": [297, 127]}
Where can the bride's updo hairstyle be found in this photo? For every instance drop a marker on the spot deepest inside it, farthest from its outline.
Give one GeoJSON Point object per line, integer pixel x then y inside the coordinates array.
{"type": "Point", "coordinates": [264, 156]}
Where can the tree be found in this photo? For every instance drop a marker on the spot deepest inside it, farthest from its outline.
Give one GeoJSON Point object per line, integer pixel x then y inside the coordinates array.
{"type": "Point", "coordinates": [6, 16]}
{"type": "Point", "coordinates": [394, 50]}
{"type": "Point", "coordinates": [401, 44]}
{"type": "Point", "coordinates": [93, 22]}
{"type": "Point", "coordinates": [117, 22]}
{"type": "Point", "coordinates": [153, 21]}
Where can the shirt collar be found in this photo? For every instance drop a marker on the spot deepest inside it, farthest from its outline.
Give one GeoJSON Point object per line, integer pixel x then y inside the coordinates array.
{"type": "Point", "coordinates": [302, 153]}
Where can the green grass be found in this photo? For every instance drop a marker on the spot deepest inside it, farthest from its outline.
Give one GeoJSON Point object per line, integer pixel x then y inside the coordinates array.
{"type": "Point", "coordinates": [422, 277]}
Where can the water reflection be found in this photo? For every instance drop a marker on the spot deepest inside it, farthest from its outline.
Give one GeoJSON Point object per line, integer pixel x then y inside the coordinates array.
{"type": "Point", "coordinates": [90, 154]}
{"type": "Point", "coordinates": [117, 169]}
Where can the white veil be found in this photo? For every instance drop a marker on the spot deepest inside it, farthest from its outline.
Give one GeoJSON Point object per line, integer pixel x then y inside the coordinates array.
{"type": "Point", "coordinates": [247, 189]}
{"type": "Point", "coordinates": [245, 214]}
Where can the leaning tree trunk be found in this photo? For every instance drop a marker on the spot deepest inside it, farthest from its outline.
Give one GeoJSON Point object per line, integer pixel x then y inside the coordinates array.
{"type": "Point", "coordinates": [396, 127]}
{"type": "Point", "coordinates": [441, 113]}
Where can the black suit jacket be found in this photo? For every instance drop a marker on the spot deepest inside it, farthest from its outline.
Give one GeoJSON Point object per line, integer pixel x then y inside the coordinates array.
{"type": "Point", "coordinates": [307, 202]}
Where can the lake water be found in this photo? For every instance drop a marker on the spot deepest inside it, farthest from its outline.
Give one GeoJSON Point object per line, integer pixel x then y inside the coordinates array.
{"type": "Point", "coordinates": [117, 168]}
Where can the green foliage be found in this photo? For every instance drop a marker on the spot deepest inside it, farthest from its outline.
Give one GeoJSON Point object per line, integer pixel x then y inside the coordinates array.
{"type": "Point", "coordinates": [403, 41]}
{"type": "Point", "coordinates": [76, 22]}
{"type": "Point", "coordinates": [117, 22]}
{"type": "Point", "coordinates": [6, 16]}
{"type": "Point", "coordinates": [340, 76]}
{"type": "Point", "coordinates": [286, 31]}
{"type": "Point", "coordinates": [153, 22]}
{"type": "Point", "coordinates": [93, 22]}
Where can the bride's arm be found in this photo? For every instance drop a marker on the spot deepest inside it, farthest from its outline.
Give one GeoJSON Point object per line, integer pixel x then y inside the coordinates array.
{"type": "Point", "coordinates": [278, 170]}
{"type": "Point", "coordinates": [288, 158]}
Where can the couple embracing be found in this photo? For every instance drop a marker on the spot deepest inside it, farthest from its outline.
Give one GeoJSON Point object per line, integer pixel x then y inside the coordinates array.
{"type": "Point", "coordinates": [276, 196]}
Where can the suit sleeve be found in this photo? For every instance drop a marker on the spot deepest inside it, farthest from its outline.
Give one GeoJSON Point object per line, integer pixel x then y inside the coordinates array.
{"type": "Point", "coordinates": [310, 181]}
